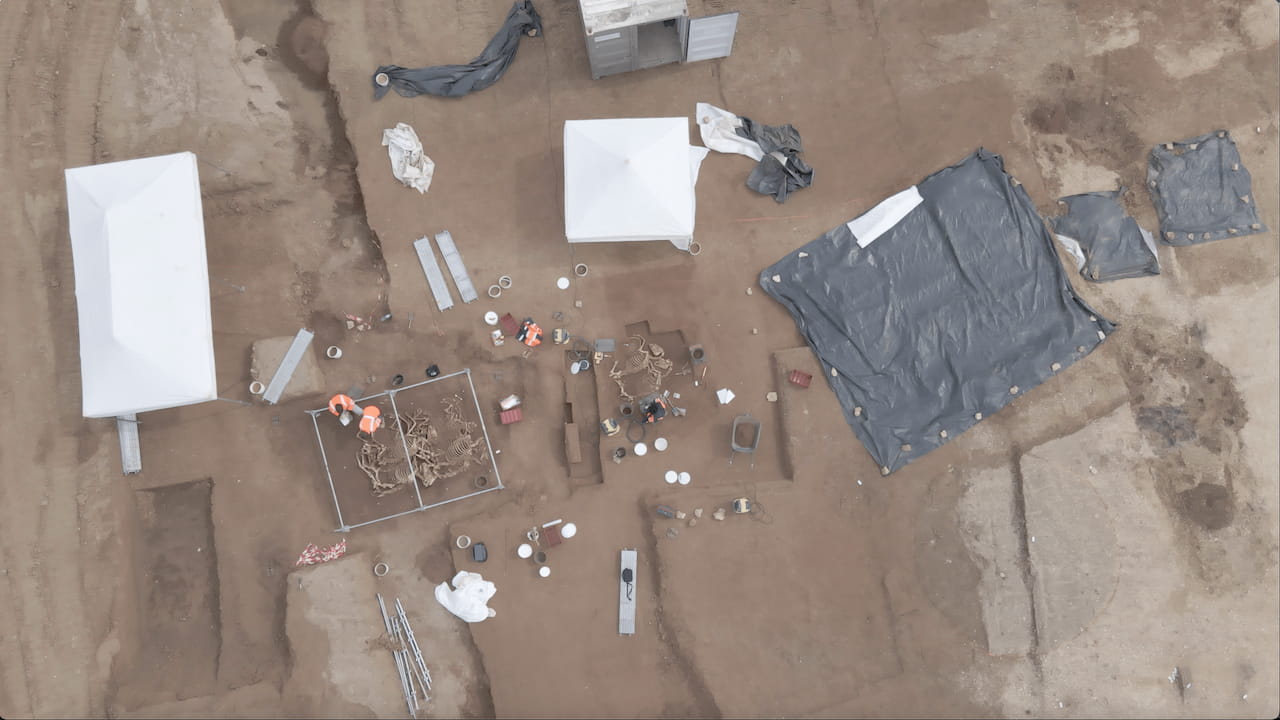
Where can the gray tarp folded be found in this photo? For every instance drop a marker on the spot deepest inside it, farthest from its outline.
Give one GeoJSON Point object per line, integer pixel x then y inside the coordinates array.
{"type": "Point", "coordinates": [781, 171]}
{"type": "Point", "coordinates": [942, 319]}
{"type": "Point", "coordinates": [1107, 243]}
{"type": "Point", "coordinates": [480, 73]}
{"type": "Point", "coordinates": [1202, 191]}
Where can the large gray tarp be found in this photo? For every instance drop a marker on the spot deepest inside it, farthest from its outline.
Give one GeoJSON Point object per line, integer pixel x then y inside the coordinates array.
{"type": "Point", "coordinates": [1107, 243]}
{"type": "Point", "coordinates": [480, 73]}
{"type": "Point", "coordinates": [1202, 190]}
{"type": "Point", "coordinates": [943, 319]}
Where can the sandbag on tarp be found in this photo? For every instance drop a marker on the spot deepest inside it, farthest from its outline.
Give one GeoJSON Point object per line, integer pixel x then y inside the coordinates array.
{"type": "Point", "coordinates": [937, 310]}
{"type": "Point", "coordinates": [480, 73]}
{"type": "Point", "coordinates": [1202, 191]}
{"type": "Point", "coordinates": [1106, 243]}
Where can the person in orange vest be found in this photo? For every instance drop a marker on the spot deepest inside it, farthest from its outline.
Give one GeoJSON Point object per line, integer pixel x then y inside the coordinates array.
{"type": "Point", "coordinates": [371, 420]}
{"type": "Point", "coordinates": [530, 334]}
{"type": "Point", "coordinates": [342, 403]}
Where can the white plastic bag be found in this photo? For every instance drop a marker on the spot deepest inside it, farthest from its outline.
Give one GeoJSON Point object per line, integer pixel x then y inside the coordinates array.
{"type": "Point", "coordinates": [719, 132]}
{"type": "Point", "coordinates": [408, 163]}
{"type": "Point", "coordinates": [469, 597]}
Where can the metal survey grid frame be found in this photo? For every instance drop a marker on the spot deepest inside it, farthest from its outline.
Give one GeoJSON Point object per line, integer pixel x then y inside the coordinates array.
{"type": "Point", "coordinates": [391, 395]}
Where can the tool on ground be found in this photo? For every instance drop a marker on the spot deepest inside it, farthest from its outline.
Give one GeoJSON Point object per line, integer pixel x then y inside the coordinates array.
{"type": "Point", "coordinates": [610, 427]}
{"type": "Point", "coordinates": [560, 336]}
{"type": "Point", "coordinates": [741, 506]}
{"type": "Point", "coordinates": [666, 511]}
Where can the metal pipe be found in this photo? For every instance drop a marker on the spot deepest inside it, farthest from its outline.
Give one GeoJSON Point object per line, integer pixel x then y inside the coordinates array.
{"type": "Point", "coordinates": [493, 460]}
{"type": "Point", "coordinates": [404, 443]}
{"type": "Point", "coordinates": [325, 459]}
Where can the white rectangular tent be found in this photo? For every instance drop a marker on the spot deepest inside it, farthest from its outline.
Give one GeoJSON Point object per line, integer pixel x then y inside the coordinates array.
{"type": "Point", "coordinates": [142, 285]}
{"type": "Point", "coordinates": [630, 179]}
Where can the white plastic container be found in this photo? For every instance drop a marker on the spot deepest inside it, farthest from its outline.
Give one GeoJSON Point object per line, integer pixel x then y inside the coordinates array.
{"type": "Point", "coordinates": [684, 478]}
{"type": "Point", "coordinates": [671, 477]}
{"type": "Point", "coordinates": [509, 402]}
{"type": "Point", "coordinates": [525, 551]}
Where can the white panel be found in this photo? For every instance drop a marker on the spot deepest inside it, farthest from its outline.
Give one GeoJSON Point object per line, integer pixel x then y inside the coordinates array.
{"type": "Point", "coordinates": [711, 37]}
{"type": "Point", "coordinates": [627, 594]}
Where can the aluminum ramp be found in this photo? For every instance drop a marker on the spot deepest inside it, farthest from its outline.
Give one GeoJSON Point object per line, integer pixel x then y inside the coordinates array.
{"type": "Point", "coordinates": [130, 450]}
{"type": "Point", "coordinates": [288, 364]}
{"type": "Point", "coordinates": [457, 268]}
{"type": "Point", "coordinates": [435, 278]}
{"type": "Point", "coordinates": [627, 595]}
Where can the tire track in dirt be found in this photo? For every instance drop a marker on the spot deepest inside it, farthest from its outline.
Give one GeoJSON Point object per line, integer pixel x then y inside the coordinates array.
{"type": "Point", "coordinates": [40, 515]}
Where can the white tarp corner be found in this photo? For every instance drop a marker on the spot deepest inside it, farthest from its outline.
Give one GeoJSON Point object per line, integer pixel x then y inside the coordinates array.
{"type": "Point", "coordinates": [469, 597]}
{"type": "Point", "coordinates": [408, 163]}
{"type": "Point", "coordinates": [142, 285]}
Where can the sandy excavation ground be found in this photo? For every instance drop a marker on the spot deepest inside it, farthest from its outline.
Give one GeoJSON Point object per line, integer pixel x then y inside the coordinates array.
{"type": "Point", "coordinates": [1061, 559]}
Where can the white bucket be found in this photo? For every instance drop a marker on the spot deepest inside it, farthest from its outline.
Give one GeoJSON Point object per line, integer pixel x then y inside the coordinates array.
{"type": "Point", "coordinates": [257, 388]}
{"type": "Point", "coordinates": [333, 353]}
{"type": "Point", "coordinates": [525, 551]}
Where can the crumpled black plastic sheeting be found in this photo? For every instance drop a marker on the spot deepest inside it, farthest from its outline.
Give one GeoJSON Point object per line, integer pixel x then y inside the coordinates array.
{"type": "Point", "coordinates": [774, 176]}
{"type": "Point", "coordinates": [1113, 245]}
{"type": "Point", "coordinates": [952, 313]}
{"type": "Point", "coordinates": [1202, 191]}
{"type": "Point", "coordinates": [480, 73]}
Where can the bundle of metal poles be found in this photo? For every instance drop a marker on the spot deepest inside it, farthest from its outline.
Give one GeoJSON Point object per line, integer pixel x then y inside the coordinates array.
{"type": "Point", "coordinates": [415, 679]}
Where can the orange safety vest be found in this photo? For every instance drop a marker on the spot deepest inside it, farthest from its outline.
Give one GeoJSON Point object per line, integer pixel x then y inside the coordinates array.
{"type": "Point", "coordinates": [341, 402]}
{"type": "Point", "coordinates": [533, 335]}
{"type": "Point", "coordinates": [371, 420]}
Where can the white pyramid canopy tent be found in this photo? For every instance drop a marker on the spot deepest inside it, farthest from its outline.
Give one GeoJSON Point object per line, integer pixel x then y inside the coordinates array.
{"type": "Point", "coordinates": [630, 179]}
{"type": "Point", "coordinates": [142, 285]}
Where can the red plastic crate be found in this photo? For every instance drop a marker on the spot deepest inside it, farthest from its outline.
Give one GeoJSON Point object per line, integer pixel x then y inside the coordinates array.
{"type": "Point", "coordinates": [800, 378]}
{"type": "Point", "coordinates": [515, 414]}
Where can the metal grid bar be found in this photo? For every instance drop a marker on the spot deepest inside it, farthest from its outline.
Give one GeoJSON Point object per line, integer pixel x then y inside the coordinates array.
{"type": "Point", "coordinates": [342, 527]}
{"type": "Point", "coordinates": [475, 398]}
{"type": "Point", "coordinates": [493, 460]}
{"type": "Point", "coordinates": [404, 442]}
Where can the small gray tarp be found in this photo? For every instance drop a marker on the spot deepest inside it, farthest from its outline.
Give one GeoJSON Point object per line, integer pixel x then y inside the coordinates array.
{"type": "Point", "coordinates": [1106, 242]}
{"type": "Point", "coordinates": [955, 310]}
{"type": "Point", "coordinates": [480, 73]}
{"type": "Point", "coordinates": [1202, 190]}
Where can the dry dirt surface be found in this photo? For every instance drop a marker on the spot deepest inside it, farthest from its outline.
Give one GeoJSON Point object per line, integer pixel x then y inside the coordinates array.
{"type": "Point", "coordinates": [1105, 546]}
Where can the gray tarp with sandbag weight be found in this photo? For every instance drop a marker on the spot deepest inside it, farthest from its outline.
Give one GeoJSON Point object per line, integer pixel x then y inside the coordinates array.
{"type": "Point", "coordinates": [958, 308]}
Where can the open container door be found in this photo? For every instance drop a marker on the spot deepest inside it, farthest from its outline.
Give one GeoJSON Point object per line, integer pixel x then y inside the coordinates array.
{"type": "Point", "coordinates": [710, 37]}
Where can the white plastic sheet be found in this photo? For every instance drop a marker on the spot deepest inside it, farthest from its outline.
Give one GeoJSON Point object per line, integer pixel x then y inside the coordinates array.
{"type": "Point", "coordinates": [719, 129]}
{"type": "Point", "coordinates": [469, 597]}
{"type": "Point", "coordinates": [408, 163]}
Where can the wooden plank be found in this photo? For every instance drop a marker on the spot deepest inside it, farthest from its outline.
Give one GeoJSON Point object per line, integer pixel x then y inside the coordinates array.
{"type": "Point", "coordinates": [627, 594]}
{"type": "Point", "coordinates": [288, 364]}
{"type": "Point", "coordinates": [453, 260]}
{"type": "Point", "coordinates": [435, 278]}
{"type": "Point", "coordinates": [130, 450]}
